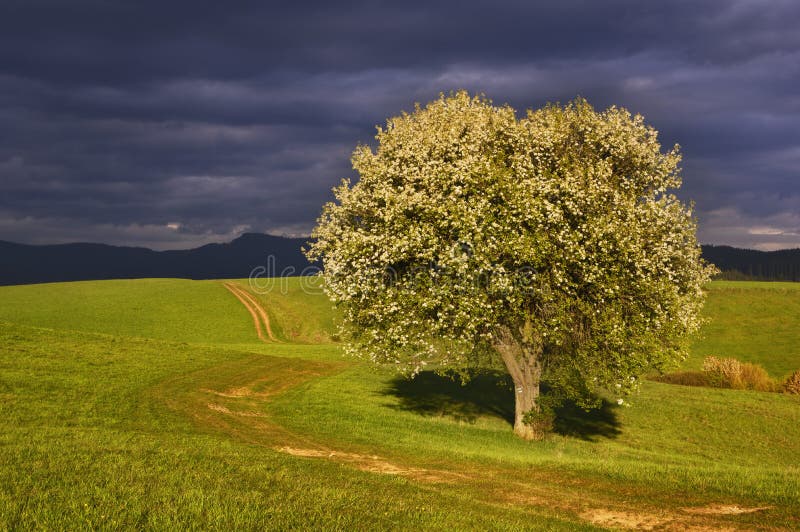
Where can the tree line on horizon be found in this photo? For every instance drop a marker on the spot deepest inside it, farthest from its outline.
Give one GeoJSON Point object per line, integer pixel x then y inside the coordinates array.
{"type": "Point", "coordinates": [736, 264]}
{"type": "Point", "coordinates": [25, 264]}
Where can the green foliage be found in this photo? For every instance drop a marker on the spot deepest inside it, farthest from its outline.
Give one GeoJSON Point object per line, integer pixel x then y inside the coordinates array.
{"type": "Point", "coordinates": [558, 233]}
{"type": "Point", "coordinates": [542, 418]}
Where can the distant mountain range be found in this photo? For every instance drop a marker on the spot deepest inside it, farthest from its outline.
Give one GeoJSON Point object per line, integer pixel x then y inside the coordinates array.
{"type": "Point", "coordinates": [749, 264]}
{"type": "Point", "coordinates": [274, 256]}
{"type": "Point", "coordinates": [24, 264]}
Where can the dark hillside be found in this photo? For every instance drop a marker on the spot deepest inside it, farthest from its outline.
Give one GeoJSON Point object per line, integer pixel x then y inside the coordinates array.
{"type": "Point", "coordinates": [23, 264]}
{"type": "Point", "coordinates": [749, 264]}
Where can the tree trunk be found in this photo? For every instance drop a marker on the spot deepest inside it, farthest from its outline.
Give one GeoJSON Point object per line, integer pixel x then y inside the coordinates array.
{"type": "Point", "coordinates": [522, 359]}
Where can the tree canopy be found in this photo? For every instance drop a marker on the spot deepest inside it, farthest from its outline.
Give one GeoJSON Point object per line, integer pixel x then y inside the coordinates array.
{"type": "Point", "coordinates": [552, 244]}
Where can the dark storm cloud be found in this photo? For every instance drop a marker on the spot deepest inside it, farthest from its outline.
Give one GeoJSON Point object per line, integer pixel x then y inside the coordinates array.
{"type": "Point", "coordinates": [172, 124]}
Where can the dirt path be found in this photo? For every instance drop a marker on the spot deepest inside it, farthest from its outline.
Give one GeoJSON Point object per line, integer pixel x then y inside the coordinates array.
{"type": "Point", "coordinates": [256, 311]}
{"type": "Point", "coordinates": [232, 399]}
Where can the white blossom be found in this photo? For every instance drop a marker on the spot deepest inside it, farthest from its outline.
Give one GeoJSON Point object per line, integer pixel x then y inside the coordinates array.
{"type": "Point", "coordinates": [466, 220]}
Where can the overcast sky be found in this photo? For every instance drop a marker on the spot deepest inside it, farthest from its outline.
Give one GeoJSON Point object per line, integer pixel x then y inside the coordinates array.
{"type": "Point", "coordinates": [173, 124]}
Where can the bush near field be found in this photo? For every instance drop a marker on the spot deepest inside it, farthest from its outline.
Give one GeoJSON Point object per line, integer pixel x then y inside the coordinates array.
{"type": "Point", "coordinates": [731, 373]}
{"type": "Point", "coordinates": [792, 384]}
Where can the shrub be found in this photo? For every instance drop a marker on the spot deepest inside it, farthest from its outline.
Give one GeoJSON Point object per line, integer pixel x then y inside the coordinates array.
{"type": "Point", "coordinates": [754, 377]}
{"type": "Point", "coordinates": [730, 373]}
{"type": "Point", "coordinates": [542, 421]}
{"type": "Point", "coordinates": [792, 384]}
{"type": "Point", "coordinates": [723, 372]}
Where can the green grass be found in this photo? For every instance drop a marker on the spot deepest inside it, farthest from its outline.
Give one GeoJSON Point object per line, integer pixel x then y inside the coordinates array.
{"type": "Point", "coordinates": [84, 443]}
{"type": "Point", "coordinates": [152, 404]}
{"type": "Point", "coordinates": [297, 308]}
{"type": "Point", "coordinates": [729, 443]}
{"type": "Point", "coordinates": [176, 310]}
{"type": "Point", "coordinates": [755, 322]}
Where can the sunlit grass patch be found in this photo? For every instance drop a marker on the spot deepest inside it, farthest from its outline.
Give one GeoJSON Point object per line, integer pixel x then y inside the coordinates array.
{"type": "Point", "coordinates": [107, 423]}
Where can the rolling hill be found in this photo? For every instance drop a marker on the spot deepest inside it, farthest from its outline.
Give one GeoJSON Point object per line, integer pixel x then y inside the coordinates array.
{"type": "Point", "coordinates": [153, 404]}
{"type": "Point", "coordinates": [738, 264]}
{"type": "Point", "coordinates": [25, 264]}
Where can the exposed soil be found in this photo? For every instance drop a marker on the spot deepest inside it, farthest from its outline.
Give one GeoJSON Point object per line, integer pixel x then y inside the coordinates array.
{"type": "Point", "coordinates": [624, 520]}
{"type": "Point", "coordinates": [233, 399]}
{"type": "Point", "coordinates": [257, 312]}
{"type": "Point", "coordinates": [374, 464]}
{"type": "Point", "coordinates": [725, 509]}
{"type": "Point", "coordinates": [225, 410]}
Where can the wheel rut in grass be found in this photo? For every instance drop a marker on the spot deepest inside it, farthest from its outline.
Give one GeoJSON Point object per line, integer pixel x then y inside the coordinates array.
{"type": "Point", "coordinates": [257, 312]}
{"type": "Point", "coordinates": [232, 399]}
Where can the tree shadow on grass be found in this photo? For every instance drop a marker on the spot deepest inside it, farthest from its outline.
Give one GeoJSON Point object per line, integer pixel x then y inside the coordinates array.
{"type": "Point", "coordinates": [430, 395]}
{"type": "Point", "coordinates": [600, 422]}
{"type": "Point", "coordinates": [491, 394]}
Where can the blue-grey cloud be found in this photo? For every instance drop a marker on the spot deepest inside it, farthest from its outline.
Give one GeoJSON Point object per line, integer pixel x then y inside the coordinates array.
{"type": "Point", "coordinates": [172, 124]}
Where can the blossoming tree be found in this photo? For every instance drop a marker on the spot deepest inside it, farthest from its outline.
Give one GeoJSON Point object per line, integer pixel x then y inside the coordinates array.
{"type": "Point", "coordinates": [551, 244]}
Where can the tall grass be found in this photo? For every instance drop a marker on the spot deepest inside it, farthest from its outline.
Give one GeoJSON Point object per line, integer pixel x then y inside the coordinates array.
{"type": "Point", "coordinates": [792, 384]}
{"type": "Point", "coordinates": [730, 373]}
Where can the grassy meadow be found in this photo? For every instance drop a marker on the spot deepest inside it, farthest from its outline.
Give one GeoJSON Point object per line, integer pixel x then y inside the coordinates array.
{"type": "Point", "coordinates": [152, 404]}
